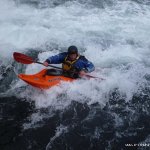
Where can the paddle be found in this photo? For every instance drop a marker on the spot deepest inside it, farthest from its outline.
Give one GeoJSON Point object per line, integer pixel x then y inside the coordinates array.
{"type": "Point", "coordinates": [22, 58]}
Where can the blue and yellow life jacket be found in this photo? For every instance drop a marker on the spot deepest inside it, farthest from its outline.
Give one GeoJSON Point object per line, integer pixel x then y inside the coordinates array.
{"type": "Point", "coordinates": [69, 65]}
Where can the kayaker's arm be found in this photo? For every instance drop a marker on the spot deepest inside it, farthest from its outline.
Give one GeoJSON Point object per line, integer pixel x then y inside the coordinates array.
{"type": "Point", "coordinates": [84, 66]}
{"type": "Point", "coordinates": [89, 67]}
{"type": "Point", "coordinates": [57, 59]}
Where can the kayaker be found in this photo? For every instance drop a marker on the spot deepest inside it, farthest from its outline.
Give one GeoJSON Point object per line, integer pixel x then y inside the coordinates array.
{"type": "Point", "coordinates": [73, 64]}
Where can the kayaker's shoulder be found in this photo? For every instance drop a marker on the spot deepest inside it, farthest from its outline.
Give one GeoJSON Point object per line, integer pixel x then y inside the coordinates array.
{"type": "Point", "coordinates": [82, 58]}
{"type": "Point", "coordinates": [63, 54]}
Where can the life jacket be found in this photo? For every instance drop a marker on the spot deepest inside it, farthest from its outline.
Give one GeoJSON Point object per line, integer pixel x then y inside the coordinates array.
{"type": "Point", "coordinates": [69, 65]}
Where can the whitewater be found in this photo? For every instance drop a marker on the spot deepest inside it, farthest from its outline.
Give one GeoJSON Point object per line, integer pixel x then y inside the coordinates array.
{"type": "Point", "coordinates": [85, 114]}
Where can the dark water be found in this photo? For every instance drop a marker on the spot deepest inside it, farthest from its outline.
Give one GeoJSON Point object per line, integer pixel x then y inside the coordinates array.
{"type": "Point", "coordinates": [88, 127]}
{"type": "Point", "coordinates": [94, 3]}
{"type": "Point", "coordinates": [13, 113]}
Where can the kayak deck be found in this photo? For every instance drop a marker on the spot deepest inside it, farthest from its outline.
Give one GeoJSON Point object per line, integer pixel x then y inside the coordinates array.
{"type": "Point", "coordinates": [43, 81]}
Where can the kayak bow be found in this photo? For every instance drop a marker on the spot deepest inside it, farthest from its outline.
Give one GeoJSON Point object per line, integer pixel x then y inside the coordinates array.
{"type": "Point", "coordinates": [43, 81]}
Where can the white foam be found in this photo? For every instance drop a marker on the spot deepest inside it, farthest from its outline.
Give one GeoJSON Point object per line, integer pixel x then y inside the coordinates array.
{"type": "Point", "coordinates": [112, 37]}
{"type": "Point", "coordinates": [90, 91]}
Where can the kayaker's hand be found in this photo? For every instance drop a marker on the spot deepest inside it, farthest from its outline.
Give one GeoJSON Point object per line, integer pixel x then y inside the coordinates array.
{"type": "Point", "coordinates": [45, 63]}
{"type": "Point", "coordinates": [82, 73]}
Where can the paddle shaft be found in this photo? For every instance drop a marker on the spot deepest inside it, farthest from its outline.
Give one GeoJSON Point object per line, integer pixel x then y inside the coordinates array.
{"type": "Point", "coordinates": [48, 65]}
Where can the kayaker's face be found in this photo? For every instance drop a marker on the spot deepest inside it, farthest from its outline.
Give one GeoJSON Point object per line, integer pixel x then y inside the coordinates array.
{"type": "Point", "coordinates": [72, 57]}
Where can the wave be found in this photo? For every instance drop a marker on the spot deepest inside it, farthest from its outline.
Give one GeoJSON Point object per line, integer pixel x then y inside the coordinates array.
{"type": "Point", "coordinates": [112, 112]}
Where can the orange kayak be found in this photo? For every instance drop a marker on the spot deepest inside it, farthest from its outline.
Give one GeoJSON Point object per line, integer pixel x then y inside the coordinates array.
{"type": "Point", "coordinates": [43, 81]}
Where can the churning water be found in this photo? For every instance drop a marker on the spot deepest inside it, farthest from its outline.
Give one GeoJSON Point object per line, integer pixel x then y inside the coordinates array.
{"type": "Point", "coordinates": [85, 114]}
